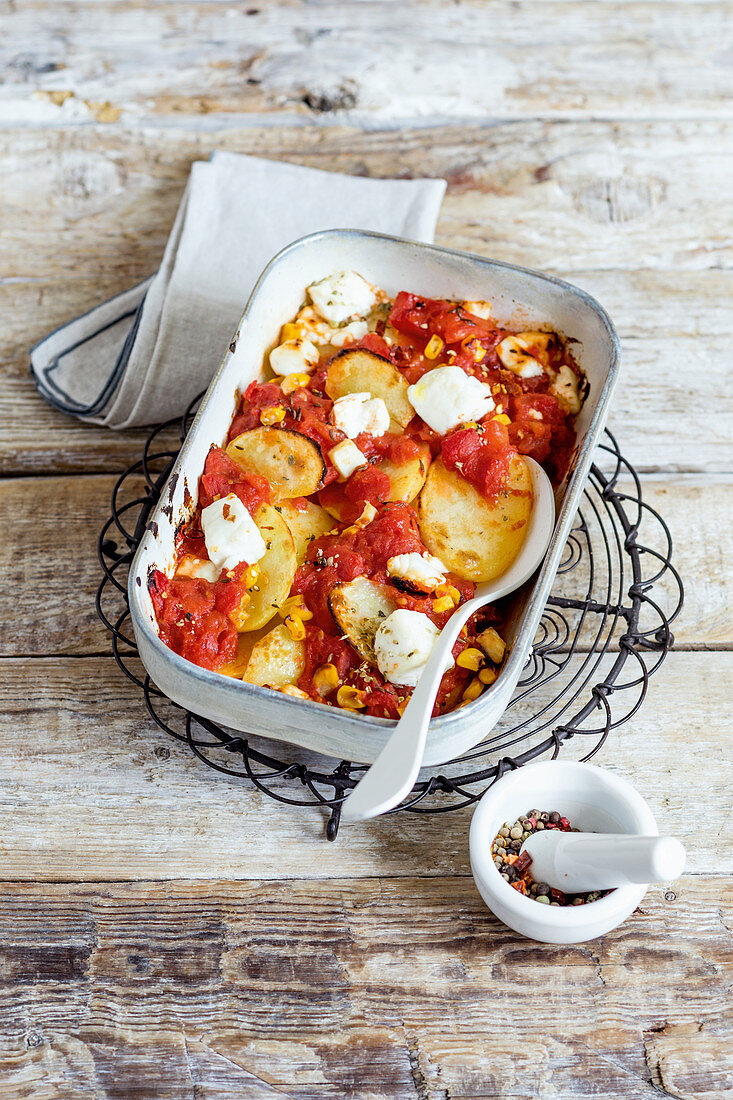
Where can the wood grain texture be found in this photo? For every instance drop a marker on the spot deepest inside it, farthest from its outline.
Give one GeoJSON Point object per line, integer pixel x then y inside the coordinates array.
{"type": "Point", "coordinates": [314, 990]}
{"type": "Point", "coordinates": [73, 64]}
{"type": "Point", "coordinates": [93, 790]}
{"type": "Point", "coordinates": [562, 196]}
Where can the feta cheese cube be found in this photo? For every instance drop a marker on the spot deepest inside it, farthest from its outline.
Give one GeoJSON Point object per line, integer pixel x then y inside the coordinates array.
{"type": "Point", "coordinates": [421, 570]}
{"type": "Point", "coordinates": [346, 457]}
{"type": "Point", "coordinates": [403, 643]}
{"type": "Point", "coordinates": [360, 412]}
{"type": "Point", "coordinates": [230, 533]}
{"type": "Point", "coordinates": [513, 354]}
{"type": "Point", "coordinates": [446, 397]}
{"type": "Point", "coordinates": [355, 331]}
{"type": "Point", "coordinates": [342, 296]}
{"type": "Point", "coordinates": [565, 388]}
{"type": "Point", "coordinates": [296, 356]}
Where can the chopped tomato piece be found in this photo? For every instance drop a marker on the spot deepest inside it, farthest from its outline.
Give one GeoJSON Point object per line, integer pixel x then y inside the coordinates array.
{"type": "Point", "coordinates": [222, 475]}
{"type": "Point", "coordinates": [426, 317]}
{"type": "Point", "coordinates": [481, 457]}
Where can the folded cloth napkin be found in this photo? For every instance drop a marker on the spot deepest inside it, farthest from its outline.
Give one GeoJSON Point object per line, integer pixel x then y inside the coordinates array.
{"type": "Point", "coordinates": [142, 356]}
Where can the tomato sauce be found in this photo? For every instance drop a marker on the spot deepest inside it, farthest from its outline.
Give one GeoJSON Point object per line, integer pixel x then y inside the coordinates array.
{"type": "Point", "coordinates": [193, 616]}
{"type": "Point", "coordinates": [196, 617]}
{"type": "Point", "coordinates": [480, 455]}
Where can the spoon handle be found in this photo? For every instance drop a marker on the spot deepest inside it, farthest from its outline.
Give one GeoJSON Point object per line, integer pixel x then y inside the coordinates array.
{"type": "Point", "coordinates": [393, 773]}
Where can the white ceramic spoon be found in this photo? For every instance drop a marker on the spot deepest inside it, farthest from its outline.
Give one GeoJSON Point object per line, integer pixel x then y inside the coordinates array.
{"type": "Point", "coordinates": [393, 773]}
{"type": "Point", "coordinates": [579, 862]}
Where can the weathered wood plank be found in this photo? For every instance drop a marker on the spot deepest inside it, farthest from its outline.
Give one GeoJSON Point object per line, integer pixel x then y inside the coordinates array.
{"type": "Point", "coordinates": [121, 800]}
{"type": "Point", "coordinates": [314, 63]}
{"type": "Point", "coordinates": [331, 989]}
{"type": "Point", "coordinates": [59, 571]}
{"type": "Point", "coordinates": [562, 196]}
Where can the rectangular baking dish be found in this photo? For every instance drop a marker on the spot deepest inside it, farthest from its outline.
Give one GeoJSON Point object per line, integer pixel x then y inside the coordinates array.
{"type": "Point", "coordinates": [521, 299]}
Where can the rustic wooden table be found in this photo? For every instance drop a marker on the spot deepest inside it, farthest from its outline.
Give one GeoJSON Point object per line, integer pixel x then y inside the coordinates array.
{"type": "Point", "coordinates": [168, 933]}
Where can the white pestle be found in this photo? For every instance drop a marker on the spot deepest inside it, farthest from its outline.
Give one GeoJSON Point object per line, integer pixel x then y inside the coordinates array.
{"type": "Point", "coordinates": [578, 862]}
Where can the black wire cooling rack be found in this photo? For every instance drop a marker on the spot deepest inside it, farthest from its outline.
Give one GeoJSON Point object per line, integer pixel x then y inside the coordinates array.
{"type": "Point", "coordinates": [601, 637]}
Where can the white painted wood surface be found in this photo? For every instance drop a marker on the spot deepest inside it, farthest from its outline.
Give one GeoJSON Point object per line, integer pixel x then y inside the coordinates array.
{"type": "Point", "coordinates": [167, 932]}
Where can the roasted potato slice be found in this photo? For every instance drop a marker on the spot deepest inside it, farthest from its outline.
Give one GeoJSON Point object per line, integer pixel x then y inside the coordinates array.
{"type": "Point", "coordinates": [476, 538]}
{"type": "Point", "coordinates": [276, 660]}
{"type": "Point", "coordinates": [276, 570]}
{"type": "Point", "coordinates": [406, 480]}
{"type": "Point", "coordinates": [305, 524]}
{"type": "Point", "coordinates": [291, 462]}
{"type": "Point", "coordinates": [359, 371]}
{"type": "Point", "coordinates": [359, 606]}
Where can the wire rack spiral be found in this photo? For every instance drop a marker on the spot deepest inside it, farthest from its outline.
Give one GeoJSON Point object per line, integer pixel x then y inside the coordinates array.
{"type": "Point", "coordinates": [601, 637]}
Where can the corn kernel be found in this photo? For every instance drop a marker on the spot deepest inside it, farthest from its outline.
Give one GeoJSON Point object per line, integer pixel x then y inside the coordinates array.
{"type": "Point", "coordinates": [402, 707]}
{"type": "Point", "coordinates": [274, 415]}
{"type": "Point", "coordinates": [445, 603]}
{"type": "Point", "coordinates": [449, 590]}
{"type": "Point", "coordinates": [471, 659]}
{"type": "Point", "coordinates": [296, 630]}
{"type": "Point", "coordinates": [487, 675]}
{"type": "Point", "coordinates": [350, 698]}
{"type": "Point", "coordinates": [434, 347]}
{"type": "Point", "coordinates": [503, 418]}
{"type": "Point", "coordinates": [492, 644]}
{"type": "Point", "coordinates": [290, 331]}
{"type": "Point", "coordinates": [293, 382]}
{"type": "Point", "coordinates": [251, 574]}
{"type": "Point", "coordinates": [470, 424]}
{"type": "Point", "coordinates": [296, 604]}
{"type": "Point", "coordinates": [473, 690]}
{"type": "Point", "coordinates": [325, 679]}
{"type": "Point", "coordinates": [479, 353]}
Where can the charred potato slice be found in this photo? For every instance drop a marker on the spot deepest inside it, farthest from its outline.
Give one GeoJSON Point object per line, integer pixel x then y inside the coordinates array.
{"type": "Point", "coordinates": [476, 538]}
{"type": "Point", "coordinates": [276, 660]}
{"type": "Point", "coordinates": [359, 607]}
{"type": "Point", "coordinates": [276, 570]}
{"type": "Point", "coordinates": [359, 371]}
{"type": "Point", "coordinates": [305, 524]}
{"type": "Point", "coordinates": [291, 462]}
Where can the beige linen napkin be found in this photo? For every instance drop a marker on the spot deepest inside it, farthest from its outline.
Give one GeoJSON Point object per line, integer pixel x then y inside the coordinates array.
{"type": "Point", "coordinates": [141, 357]}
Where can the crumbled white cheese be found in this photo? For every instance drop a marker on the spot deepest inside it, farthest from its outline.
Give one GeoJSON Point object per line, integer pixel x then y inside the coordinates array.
{"type": "Point", "coordinates": [294, 357]}
{"type": "Point", "coordinates": [346, 457]}
{"type": "Point", "coordinates": [338, 336]}
{"type": "Point", "coordinates": [478, 309]}
{"type": "Point", "coordinates": [422, 570]}
{"type": "Point", "coordinates": [565, 388]}
{"type": "Point", "coordinates": [360, 412]}
{"type": "Point", "coordinates": [341, 296]}
{"type": "Point", "coordinates": [513, 354]}
{"type": "Point", "coordinates": [230, 533]}
{"type": "Point", "coordinates": [446, 397]}
{"type": "Point", "coordinates": [403, 643]}
{"type": "Point", "coordinates": [198, 568]}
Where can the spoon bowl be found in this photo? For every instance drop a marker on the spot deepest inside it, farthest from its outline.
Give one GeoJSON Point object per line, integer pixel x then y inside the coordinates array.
{"type": "Point", "coordinates": [392, 775]}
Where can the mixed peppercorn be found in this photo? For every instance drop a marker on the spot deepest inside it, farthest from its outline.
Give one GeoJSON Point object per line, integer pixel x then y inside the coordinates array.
{"type": "Point", "coordinates": [514, 865]}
